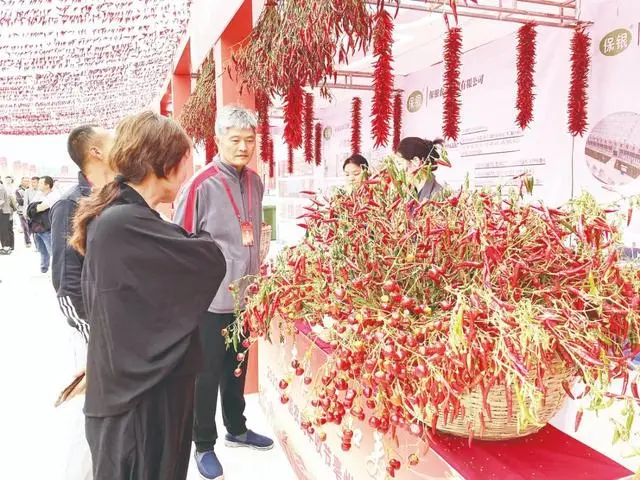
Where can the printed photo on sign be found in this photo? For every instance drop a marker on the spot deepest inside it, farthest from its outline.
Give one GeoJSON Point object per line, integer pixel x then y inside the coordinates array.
{"type": "Point", "coordinates": [328, 133]}
{"type": "Point", "coordinates": [612, 152]}
{"type": "Point", "coordinates": [415, 101]}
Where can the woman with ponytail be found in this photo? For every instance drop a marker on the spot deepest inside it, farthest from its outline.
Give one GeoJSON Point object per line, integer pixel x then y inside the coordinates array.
{"type": "Point", "coordinates": [144, 283]}
{"type": "Point", "coordinates": [420, 157]}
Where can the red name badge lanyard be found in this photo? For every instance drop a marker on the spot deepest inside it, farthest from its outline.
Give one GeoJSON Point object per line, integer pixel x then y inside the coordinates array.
{"type": "Point", "coordinates": [246, 226]}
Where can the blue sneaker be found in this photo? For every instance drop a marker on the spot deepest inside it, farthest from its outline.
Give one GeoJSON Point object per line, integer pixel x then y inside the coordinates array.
{"type": "Point", "coordinates": [249, 439]}
{"type": "Point", "coordinates": [208, 465]}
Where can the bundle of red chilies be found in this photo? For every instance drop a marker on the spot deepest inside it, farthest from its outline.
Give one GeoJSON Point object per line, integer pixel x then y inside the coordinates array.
{"type": "Point", "coordinates": [424, 302]}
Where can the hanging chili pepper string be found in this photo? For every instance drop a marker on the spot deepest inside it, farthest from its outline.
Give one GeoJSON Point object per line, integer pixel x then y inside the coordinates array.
{"type": "Point", "coordinates": [356, 124]}
{"type": "Point", "coordinates": [452, 61]}
{"type": "Point", "coordinates": [262, 105]}
{"type": "Point", "coordinates": [382, 77]}
{"type": "Point", "coordinates": [318, 145]}
{"type": "Point", "coordinates": [526, 68]}
{"type": "Point", "coordinates": [300, 41]}
{"type": "Point", "coordinates": [578, 98]}
{"type": "Point", "coordinates": [308, 127]}
{"type": "Point", "coordinates": [293, 113]}
{"type": "Point", "coordinates": [199, 112]}
{"type": "Point", "coordinates": [289, 160]}
{"type": "Point", "coordinates": [272, 160]}
{"type": "Point", "coordinates": [397, 120]}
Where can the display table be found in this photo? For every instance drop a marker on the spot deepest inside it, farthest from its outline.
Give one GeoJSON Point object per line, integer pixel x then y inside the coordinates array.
{"type": "Point", "coordinates": [548, 454]}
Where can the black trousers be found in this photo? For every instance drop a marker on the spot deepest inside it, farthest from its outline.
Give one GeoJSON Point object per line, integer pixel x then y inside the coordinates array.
{"type": "Point", "coordinates": [12, 234]}
{"type": "Point", "coordinates": [25, 229]}
{"type": "Point", "coordinates": [150, 442]}
{"type": "Point", "coordinates": [6, 230]}
{"type": "Point", "coordinates": [219, 364]}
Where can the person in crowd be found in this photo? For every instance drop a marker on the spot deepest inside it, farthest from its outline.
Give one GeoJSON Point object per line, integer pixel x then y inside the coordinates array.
{"type": "Point", "coordinates": [225, 199]}
{"type": "Point", "coordinates": [48, 196]}
{"type": "Point", "coordinates": [354, 168]}
{"type": "Point", "coordinates": [7, 207]}
{"type": "Point", "coordinates": [413, 154]}
{"type": "Point", "coordinates": [39, 217]}
{"type": "Point", "coordinates": [145, 282]}
{"type": "Point", "coordinates": [32, 195]}
{"type": "Point", "coordinates": [21, 201]}
{"type": "Point", "coordinates": [9, 184]}
{"type": "Point", "coordinates": [35, 182]}
{"type": "Point", "coordinates": [88, 147]}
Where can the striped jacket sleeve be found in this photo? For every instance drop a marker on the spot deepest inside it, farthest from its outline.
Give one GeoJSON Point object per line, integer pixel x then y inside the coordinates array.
{"type": "Point", "coordinates": [74, 320]}
{"type": "Point", "coordinates": [66, 266]}
{"type": "Point", "coordinates": [186, 213]}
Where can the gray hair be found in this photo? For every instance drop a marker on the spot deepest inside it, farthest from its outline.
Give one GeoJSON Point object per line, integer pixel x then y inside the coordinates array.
{"type": "Point", "coordinates": [233, 116]}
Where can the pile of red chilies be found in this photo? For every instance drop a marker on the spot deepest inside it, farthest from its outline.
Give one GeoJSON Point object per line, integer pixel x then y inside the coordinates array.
{"type": "Point", "coordinates": [429, 301]}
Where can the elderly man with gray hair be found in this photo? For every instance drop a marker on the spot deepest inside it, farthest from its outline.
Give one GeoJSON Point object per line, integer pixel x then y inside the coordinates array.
{"type": "Point", "coordinates": [225, 200]}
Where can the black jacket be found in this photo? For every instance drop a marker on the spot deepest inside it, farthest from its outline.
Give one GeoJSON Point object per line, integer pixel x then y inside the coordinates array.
{"type": "Point", "coordinates": [145, 282]}
{"type": "Point", "coordinates": [66, 263]}
{"type": "Point", "coordinates": [39, 222]}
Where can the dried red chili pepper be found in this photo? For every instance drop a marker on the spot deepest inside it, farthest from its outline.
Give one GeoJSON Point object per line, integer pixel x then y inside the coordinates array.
{"type": "Point", "coordinates": [567, 389]}
{"type": "Point", "coordinates": [578, 419]}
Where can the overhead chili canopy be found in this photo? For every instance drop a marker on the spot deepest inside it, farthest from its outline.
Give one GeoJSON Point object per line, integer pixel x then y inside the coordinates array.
{"type": "Point", "coordinates": [296, 46]}
{"type": "Point", "coordinates": [77, 61]}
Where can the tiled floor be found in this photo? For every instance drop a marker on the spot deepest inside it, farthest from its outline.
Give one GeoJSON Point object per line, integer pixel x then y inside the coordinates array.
{"type": "Point", "coordinates": [35, 363]}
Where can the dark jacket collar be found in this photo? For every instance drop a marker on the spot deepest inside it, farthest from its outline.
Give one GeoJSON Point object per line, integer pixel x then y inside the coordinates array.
{"type": "Point", "coordinates": [128, 196]}
{"type": "Point", "coordinates": [84, 184]}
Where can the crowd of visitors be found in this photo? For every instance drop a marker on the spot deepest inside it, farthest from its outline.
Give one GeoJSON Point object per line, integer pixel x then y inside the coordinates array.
{"type": "Point", "coordinates": [30, 202]}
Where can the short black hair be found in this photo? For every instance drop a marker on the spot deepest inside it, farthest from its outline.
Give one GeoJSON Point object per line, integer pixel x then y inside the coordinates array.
{"type": "Point", "coordinates": [357, 160]}
{"type": "Point", "coordinates": [48, 181]}
{"type": "Point", "coordinates": [425, 150]}
{"type": "Point", "coordinates": [77, 143]}
{"type": "Point", "coordinates": [35, 178]}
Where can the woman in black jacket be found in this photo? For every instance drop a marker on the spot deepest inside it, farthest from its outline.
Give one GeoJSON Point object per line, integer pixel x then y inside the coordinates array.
{"type": "Point", "coordinates": [144, 283]}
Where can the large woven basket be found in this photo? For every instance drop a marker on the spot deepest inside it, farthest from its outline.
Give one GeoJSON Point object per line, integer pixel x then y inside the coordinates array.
{"type": "Point", "coordinates": [501, 426]}
{"type": "Point", "coordinates": [265, 242]}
